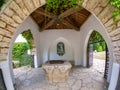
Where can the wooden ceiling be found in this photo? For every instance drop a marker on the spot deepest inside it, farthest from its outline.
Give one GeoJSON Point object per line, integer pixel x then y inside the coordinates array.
{"type": "Point", "coordinates": [69, 19]}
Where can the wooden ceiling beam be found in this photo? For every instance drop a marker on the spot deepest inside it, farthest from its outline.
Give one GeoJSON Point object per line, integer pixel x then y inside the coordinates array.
{"type": "Point", "coordinates": [62, 17]}
{"type": "Point", "coordinates": [65, 22]}
{"type": "Point", "coordinates": [39, 20]}
{"type": "Point", "coordinates": [81, 15]}
{"type": "Point", "coordinates": [45, 26]}
{"type": "Point", "coordinates": [42, 12]}
{"type": "Point", "coordinates": [73, 22]}
{"type": "Point", "coordinates": [69, 12]}
{"type": "Point", "coordinates": [70, 20]}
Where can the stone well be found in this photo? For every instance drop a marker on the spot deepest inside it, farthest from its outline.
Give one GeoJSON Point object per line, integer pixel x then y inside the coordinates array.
{"type": "Point", "coordinates": [57, 70]}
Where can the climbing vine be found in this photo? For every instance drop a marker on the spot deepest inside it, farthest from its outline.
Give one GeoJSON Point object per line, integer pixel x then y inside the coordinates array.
{"type": "Point", "coordinates": [1, 3]}
{"type": "Point", "coordinates": [28, 36]}
{"type": "Point", "coordinates": [59, 6]}
{"type": "Point", "coordinates": [116, 12]}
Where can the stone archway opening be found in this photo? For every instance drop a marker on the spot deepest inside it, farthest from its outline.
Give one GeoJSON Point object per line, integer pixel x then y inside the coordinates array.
{"type": "Point", "coordinates": [98, 54]}
{"type": "Point", "coordinates": [17, 59]}
{"type": "Point", "coordinates": [23, 56]}
{"type": "Point", "coordinates": [23, 50]}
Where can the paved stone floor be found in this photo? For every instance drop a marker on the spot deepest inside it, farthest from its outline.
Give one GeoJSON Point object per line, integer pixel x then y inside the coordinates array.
{"type": "Point", "coordinates": [80, 79]}
{"type": "Point", "coordinates": [99, 65]}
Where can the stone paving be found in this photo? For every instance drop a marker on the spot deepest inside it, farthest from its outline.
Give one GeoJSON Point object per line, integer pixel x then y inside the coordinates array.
{"type": "Point", "coordinates": [80, 79]}
{"type": "Point", "coordinates": [99, 65]}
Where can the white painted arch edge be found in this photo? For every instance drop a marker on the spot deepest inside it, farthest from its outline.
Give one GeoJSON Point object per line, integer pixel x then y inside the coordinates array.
{"type": "Point", "coordinates": [94, 24]}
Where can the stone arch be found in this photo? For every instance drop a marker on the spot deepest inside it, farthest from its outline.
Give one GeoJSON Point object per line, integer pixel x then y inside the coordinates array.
{"type": "Point", "coordinates": [102, 10]}
{"type": "Point", "coordinates": [69, 53]}
{"type": "Point", "coordinates": [18, 10]}
{"type": "Point", "coordinates": [27, 24]}
{"type": "Point", "coordinates": [10, 19]}
{"type": "Point", "coordinates": [24, 27]}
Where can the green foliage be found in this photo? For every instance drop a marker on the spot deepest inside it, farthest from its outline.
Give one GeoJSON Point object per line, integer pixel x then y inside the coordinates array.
{"type": "Point", "coordinates": [116, 12]}
{"type": "Point", "coordinates": [28, 36]}
{"type": "Point", "coordinates": [25, 60]}
{"type": "Point", "coordinates": [98, 41]}
{"type": "Point", "coordinates": [100, 49]}
{"type": "Point", "coordinates": [58, 6]}
{"type": "Point", "coordinates": [96, 37]}
{"type": "Point", "coordinates": [19, 52]}
{"type": "Point", "coordinates": [1, 3]}
{"type": "Point", "coordinates": [100, 46]}
{"type": "Point", "coordinates": [19, 49]}
{"type": "Point", "coordinates": [95, 46]}
{"type": "Point", "coordinates": [103, 44]}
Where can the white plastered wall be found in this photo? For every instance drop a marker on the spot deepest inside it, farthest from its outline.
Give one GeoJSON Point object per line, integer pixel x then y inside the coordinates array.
{"type": "Point", "coordinates": [52, 52]}
{"type": "Point", "coordinates": [70, 37]}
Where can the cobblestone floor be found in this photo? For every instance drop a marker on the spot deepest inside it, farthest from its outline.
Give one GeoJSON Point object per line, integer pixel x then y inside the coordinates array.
{"type": "Point", "coordinates": [80, 79]}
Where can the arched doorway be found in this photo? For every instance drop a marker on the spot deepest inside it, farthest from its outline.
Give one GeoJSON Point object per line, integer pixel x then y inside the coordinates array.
{"type": "Point", "coordinates": [98, 54]}
{"type": "Point", "coordinates": [22, 56]}
{"type": "Point", "coordinates": [25, 26]}
{"type": "Point", "coordinates": [86, 31]}
{"type": "Point", "coordinates": [24, 49]}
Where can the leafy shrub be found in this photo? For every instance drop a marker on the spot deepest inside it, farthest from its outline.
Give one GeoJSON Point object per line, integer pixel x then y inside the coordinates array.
{"type": "Point", "coordinates": [98, 41]}
{"type": "Point", "coordinates": [104, 46]}
{"type": "Point", "coordinates": [19, 53]}
{"type": "Point", "coordinates": [95, 46]}
{"type": "Point", "coordinates": [100, 49]}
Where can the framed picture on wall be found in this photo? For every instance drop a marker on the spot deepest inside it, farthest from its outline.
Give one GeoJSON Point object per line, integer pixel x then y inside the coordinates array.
{"type": "Point", "coordinates": [60, 49]}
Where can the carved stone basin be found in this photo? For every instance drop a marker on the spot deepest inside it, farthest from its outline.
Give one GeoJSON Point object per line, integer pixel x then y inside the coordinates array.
{"type": "Point", "coordinates": [56, 62]}
{"type": "Point", "coordinates": [57, 70]}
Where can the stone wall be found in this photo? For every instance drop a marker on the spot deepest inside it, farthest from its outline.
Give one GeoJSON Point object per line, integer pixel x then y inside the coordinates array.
{"type": "Point", "coordinates": [12, 16]}
{"type": "Point", "coordinates": [17, 11]}
{"type": "Point", "coordinates": [103, 10]}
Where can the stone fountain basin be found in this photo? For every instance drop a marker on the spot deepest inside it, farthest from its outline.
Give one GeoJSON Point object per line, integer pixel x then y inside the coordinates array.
{"type": "Point", "coordinates": [57, 70]}
{"type": "Point", "coordinates": [56, 61]}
